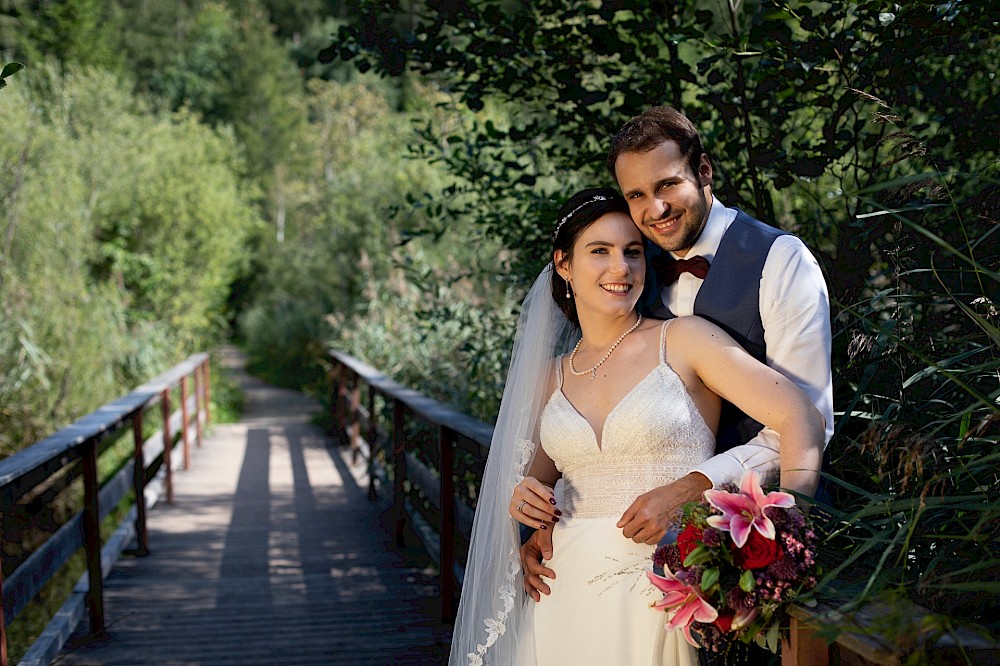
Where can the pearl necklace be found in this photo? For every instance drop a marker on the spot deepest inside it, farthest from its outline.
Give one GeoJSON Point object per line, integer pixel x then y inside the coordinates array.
{"type": "Point", "coordinates": [593, 370]}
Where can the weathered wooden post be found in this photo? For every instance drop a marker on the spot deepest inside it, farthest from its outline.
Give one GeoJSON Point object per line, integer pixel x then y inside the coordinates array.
{"type": "Point", "coordinates": [335, 393]}
{"type": "Point", "coordinates": [184, 422]}
{"type": "Point", "coordinates": [208, 389]}
{"type": "Point", "coordinates": [340, 390]}
{"type": "Point", "coordinates": [168, 444]}
{"type": "Point", "coordinates": [399, 468]}
{"type": "Point", "coordinates": [139, 485]}
{"type": "Point", "coordinates": [371, 434]}
{"type": "Point", "coordinates": [3, 605]}
{"type": "Point", "coordinates": [354, 418]}
{"type": "Point", "coordinates": [447, 531]}
{"type": "Point", "coordinates": [198, 388]}
{"type": "Point", "coordinates": [92, 539]}
{"type": "Point", "coordinates": [803, 647]}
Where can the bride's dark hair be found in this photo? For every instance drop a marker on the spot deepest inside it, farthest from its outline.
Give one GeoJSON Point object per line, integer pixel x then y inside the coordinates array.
{"type": "Point", "coordinates": [579, 212]}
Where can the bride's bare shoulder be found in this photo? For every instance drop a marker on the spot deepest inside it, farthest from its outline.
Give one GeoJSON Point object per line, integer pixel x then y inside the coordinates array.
{"type": "Point", "coordinates": [692, 328]}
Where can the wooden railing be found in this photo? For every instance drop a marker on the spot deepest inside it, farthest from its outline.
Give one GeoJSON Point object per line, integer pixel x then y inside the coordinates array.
{"type": "Point", "coordinates": [355, 389]}
{"type": "Point", "coordinates": [421, 494]}
{"type": "Point", "coordinates": [73, 452]}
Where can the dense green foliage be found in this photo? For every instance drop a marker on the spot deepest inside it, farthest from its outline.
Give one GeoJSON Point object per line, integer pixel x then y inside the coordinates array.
{"type": "Point", "coordinates": [870, 131]}
{"type": "Point", "coordinates": [122, 230]}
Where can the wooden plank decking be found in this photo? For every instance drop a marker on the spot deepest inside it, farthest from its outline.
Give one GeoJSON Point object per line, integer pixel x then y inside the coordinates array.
{"type": "Point", "coordinates": [271, 554]}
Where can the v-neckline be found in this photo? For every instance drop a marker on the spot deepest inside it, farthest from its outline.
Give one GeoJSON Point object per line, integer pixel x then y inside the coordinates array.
{"type": "Point", "coordinates": [599, 439]}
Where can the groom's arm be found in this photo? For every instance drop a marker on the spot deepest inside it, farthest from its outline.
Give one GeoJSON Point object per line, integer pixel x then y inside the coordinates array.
{"type": "Point", "coordinates": [649, 516]}
{"type": "Point", "coordinates": [795, 311]}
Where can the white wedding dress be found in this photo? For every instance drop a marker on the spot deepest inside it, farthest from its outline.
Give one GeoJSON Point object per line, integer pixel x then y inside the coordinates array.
{"type": "Point", "coordinates": [598, 612]}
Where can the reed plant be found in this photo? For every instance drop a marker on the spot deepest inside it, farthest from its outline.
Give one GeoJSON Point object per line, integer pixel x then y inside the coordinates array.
{"type": "Point", "coordinates": [915, 515]}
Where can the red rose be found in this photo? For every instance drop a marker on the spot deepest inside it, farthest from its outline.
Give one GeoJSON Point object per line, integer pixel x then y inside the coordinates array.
{"type": "Point", "coordinates": [688, 540]}
{"type": "Point", "coordinates": [757, 552]}
{"type": "Point", "coordinates": [724, 623]}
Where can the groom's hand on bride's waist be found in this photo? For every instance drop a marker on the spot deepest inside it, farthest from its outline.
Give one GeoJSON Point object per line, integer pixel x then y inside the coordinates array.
{"type": "Point", "coordinates": [537, 547]}
{"type": "Point", "coordinates": [647, 519]}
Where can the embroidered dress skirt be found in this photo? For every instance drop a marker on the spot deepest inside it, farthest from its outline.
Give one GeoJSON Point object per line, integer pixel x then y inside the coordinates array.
{"type": "Point", "coordinates": [598, 613]}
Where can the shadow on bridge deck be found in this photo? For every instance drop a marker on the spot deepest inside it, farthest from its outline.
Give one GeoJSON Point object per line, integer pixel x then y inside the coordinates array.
{"type": "Point", "coordinates": [271, 554]}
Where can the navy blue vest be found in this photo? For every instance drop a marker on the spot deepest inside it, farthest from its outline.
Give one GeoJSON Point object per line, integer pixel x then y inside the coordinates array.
{"type": "Point", "coordinates": [730, 298]}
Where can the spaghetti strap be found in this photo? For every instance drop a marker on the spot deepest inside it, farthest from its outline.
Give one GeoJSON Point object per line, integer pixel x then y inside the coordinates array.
{"type": "Point", "coordinates": [663, 341]}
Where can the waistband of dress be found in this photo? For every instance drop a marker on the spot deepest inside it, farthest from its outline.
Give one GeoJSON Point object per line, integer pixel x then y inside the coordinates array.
{"type": "Point", "coordinates": [607, 490]}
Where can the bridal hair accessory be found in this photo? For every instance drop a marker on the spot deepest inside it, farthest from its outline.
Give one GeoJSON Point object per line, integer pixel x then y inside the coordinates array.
{"type": "Point", "coordinates": [569, 294]}
{"type": "Point", "coordinates": [593, 370]}
{"type": "Point", "coordinates": [599, 197]}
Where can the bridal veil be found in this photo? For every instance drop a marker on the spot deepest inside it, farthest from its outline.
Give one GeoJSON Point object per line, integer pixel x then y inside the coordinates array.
{"type": "Point", "coordinates": [489, 628]}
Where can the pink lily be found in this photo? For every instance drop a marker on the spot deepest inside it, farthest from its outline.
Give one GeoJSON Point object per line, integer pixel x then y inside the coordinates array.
{"type": "Point", "coordinates": [745, 509]}
{"type": "Point", "coordinates": [682, 603]}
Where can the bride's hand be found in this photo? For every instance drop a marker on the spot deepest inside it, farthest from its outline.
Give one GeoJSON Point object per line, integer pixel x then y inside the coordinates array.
{"type": "Point", "coordinates": [533, 504]}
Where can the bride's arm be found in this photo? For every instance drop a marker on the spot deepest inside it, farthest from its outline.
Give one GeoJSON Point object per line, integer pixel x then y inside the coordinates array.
{"type": "Point", "coordinates": [706, 358]}
{"type": "Point", "coordinates": [763, 393]}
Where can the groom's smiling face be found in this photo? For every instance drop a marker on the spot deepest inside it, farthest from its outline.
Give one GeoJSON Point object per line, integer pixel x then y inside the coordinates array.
{"type": "Point", "coordinates": [667, 200]}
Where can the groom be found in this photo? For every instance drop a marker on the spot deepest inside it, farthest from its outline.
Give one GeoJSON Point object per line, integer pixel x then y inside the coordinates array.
{"type": "Point", "coordinates": [759, 284]}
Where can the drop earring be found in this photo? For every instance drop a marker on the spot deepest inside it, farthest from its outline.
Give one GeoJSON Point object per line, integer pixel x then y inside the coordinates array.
{"type": "Point", "coordinates": [569, 294]}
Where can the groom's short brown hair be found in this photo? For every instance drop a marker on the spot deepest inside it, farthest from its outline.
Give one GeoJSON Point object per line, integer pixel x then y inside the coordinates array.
{"type": "Point", "coordinates": [651, 128]}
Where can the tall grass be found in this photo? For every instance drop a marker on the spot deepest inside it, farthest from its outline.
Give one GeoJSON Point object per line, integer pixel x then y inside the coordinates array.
{"type": "Point", "coordinates": [916, 511]}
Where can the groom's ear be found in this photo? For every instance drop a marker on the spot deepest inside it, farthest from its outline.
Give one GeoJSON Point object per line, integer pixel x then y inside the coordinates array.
{"type": "Point", "coordinates": [704, 170]}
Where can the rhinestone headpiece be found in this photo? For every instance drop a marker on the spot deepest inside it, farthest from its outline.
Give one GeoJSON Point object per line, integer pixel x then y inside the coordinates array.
{"type": "Point", "coordinates": [599, 197]}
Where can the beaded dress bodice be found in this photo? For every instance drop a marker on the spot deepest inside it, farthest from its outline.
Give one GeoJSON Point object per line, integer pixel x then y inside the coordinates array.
{"type": "Point", "coordinates": [653, 436]}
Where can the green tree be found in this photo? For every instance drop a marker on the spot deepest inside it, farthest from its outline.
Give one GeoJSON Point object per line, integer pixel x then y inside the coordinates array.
{"type": "Point", "coordinates": [124, 266]}
{"type": "Point", "coordinates": [85, 32]}
{"type": "Point", "coordinates": [230, 68]}
{"type": "Point", "coordinates": [59, 331]}
{"type": "Point", "coordinates": [359, 262]}
{"type": "Point", "coordinates": [782, 92]}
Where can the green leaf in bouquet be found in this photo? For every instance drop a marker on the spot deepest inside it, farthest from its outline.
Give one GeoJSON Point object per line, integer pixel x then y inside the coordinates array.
{"type": "Point", "coordinates": [709, 578]}
{"type": "Point", "coordinates": [697, 556]}
{"type": "Point", "coordinates": [772, 638]}
{"type": "Point", "coordinates": [747, 582]}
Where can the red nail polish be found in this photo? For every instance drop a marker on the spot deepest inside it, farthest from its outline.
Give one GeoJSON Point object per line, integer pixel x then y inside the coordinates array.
{"type": "Point", "coordinates": [558, 512]}
{"type": "Point", "coordinates": [552, 500]}
{"type": "Point", "coordinates": [555, 520]}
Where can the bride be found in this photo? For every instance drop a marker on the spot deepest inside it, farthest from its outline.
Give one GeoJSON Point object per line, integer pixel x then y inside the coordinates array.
{"type": "Point", "coordinates": [631, 407]}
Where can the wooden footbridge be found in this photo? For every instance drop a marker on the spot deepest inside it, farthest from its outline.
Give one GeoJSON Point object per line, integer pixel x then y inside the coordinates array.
{"type": "Point", "coordinates": [270, 552]}
{"type": "Point", "coordinates": [271, 542]}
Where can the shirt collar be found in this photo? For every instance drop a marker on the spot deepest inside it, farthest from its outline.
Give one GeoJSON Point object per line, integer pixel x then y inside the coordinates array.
{"type": "Point", "coordinates": [711, 236]}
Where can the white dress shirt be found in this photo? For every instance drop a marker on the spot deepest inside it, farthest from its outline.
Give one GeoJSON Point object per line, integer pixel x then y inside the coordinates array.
{"type": "Point", "coordinates": [795, 311]}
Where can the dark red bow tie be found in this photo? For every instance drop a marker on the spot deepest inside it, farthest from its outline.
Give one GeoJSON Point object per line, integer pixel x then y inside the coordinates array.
{"type": "Point", "coordinates": [669, 269]}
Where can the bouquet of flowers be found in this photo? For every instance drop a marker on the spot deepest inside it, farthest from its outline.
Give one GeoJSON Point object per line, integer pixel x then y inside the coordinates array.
{"type": "Point", "coordinates": [740, 558]}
